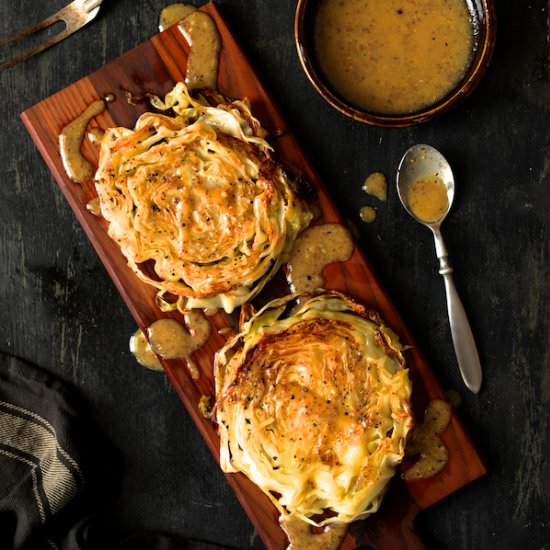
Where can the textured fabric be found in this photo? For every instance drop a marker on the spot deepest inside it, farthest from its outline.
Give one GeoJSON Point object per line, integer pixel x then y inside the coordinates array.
{"type": "Point", "coordinates": [44, 438]}
{"type": "Point", "coordinates": [56, 470]}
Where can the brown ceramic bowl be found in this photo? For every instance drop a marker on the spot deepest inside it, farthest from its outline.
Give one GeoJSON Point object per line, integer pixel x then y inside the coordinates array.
{"type": "Point", "coordinates": [483, 13]}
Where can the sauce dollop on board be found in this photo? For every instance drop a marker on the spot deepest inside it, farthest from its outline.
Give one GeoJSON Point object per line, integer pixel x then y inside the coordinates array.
{"type": "Point", "coordinates": [313, 250]}
{"type": "Point", "coordinates": [171, 340]}
{"type": "Point", "coordinates": [393, 56]}
{"type": "Point", "coordinates": [70, 140]}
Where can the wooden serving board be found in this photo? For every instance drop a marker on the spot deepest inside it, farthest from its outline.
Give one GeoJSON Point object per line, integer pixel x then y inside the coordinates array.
{"type": "Point", "coordinates": [156, 66]}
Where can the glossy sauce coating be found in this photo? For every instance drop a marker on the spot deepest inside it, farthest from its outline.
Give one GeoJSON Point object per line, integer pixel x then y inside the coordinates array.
{"type": "Point", "coordinates": [427, 199]}
{"type": "Point", "coordinates": [393, 56]}
{"type": "Point", "coordinates": [70, 140]}
{"type": "Point", "coordinates": [314, 249]}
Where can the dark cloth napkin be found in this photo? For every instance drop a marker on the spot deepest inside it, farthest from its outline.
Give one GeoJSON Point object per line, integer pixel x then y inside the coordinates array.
{"type": "Point", "coordinates": [43, 439]}
{"type": "Point", "coordinates": [57, 469]}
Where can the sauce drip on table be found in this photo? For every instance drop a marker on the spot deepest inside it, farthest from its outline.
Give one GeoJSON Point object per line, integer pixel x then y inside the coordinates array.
{"type": "Point", "coordinates": [367, 214]}
{"type": "Point", "coordinates": [70, 140]}
{"type": "Point", "coordinates": [393, 56]}
{"type": "Point", "coordinates": [376, 185]}
{"type": "Point", "coordinates": [314, 249]}
{"type": "Point", "coordinates": [301, 536]}
{"type": "Point", "coordinates": [427, 199]}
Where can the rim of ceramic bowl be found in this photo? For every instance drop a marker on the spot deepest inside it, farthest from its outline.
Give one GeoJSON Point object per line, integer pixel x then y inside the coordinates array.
{"type": "Point", "coordinates": [485, 14]}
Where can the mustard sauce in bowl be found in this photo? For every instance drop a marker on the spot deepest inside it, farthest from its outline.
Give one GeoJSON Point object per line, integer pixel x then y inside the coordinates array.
{"type": "Point", "coordinates": [394, 62]}
{"type": "Point", "coordinates": [393, 56]}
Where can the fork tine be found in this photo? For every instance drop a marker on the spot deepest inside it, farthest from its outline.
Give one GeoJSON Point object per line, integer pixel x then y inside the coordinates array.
{"type": "Point", "coordinates": [54, 40]}
{"type": "Point", "coordinates": [75, 15]}
{"type": "Point", "coordinates": [89, 5]}
{"type": "Point", "coordinates": [42, 25]}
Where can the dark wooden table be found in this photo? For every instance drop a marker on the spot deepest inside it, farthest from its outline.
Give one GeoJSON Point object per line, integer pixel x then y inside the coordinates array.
{"type": "Point", "coordinates": [60, 310]}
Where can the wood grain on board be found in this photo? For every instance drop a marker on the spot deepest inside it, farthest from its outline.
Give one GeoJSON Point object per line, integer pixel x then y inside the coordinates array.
{"type": "Point", "coordinates": [156, 66]}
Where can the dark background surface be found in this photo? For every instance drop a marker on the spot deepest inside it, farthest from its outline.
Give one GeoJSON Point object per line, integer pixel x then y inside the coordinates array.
{"type": "Point", "coordinates": [59, 309]}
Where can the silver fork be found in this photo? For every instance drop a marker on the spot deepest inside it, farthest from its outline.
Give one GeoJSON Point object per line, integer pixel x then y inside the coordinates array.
{"type": "Point", "coordinates": [75, 15]}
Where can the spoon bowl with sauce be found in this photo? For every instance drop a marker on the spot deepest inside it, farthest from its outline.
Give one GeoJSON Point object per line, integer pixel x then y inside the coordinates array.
{"type": "Point", "coordinates": [398, 62]}
{"type": "Point", "coordinates": [425, 184]}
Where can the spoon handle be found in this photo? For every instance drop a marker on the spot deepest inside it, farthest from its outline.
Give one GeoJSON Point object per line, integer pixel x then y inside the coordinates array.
{"type": "Point", "coordinates": [463, 339]}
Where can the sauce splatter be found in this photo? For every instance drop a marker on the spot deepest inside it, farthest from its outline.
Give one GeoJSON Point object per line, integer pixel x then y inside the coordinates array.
{"type": "Point", "coordinates": [193, 368]}
{"type": "Point", "coordinates": [94, 207]}
{"type": "Point", "coordinates": [173, 13]}
{"type": "Point", "coordinates": [145, 356]}
{"type": "Point", "coordinates": [376, 185]}
{"type": "Point", "coordinates": [70, 140]}
{"type": "Point", "coordinates": [314, 249]}
{"type": "Point", "coordinates": [424, 441]}
{"type": "Point", "coordinates": [367, 214]}
{"type": "Point", "coordinates": [171, 340]}
{"type": "Point", "coordinates": [454, 398]}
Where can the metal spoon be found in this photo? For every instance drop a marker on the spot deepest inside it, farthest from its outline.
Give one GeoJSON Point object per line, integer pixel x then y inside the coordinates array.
{"type": "Point", "coordinates": [423, 161]}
